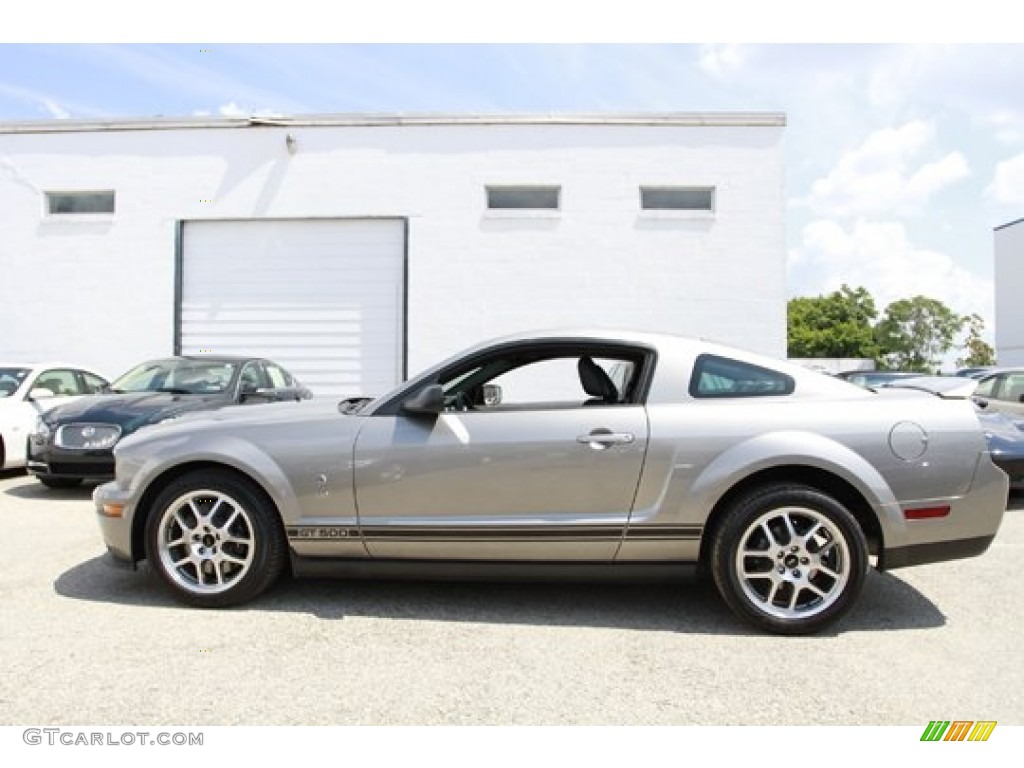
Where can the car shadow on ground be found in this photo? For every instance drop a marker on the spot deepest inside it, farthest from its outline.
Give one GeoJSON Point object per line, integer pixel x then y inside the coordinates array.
{"type": "Point", "coordinates": [692, 608]}
{"type": "Point", "coordinates": [33, 490]}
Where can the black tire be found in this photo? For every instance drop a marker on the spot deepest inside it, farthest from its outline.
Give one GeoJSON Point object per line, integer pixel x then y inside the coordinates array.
{"type": "Point", "coordinates": [214, 540]}
{"type": "Point", "coordinates": [60, 482]}
{"type": "Point", "coordinates": [788, 584]}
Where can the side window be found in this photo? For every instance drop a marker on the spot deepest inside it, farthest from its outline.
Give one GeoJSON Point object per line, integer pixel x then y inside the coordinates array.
{"type": "Point", "coordinates": [715, 376]}
{"type": "Point", "coordinates": [1012, 389]}
{"type": "Point", "coordinates": [91, 384]}
{"type": "Point", "coordinates": [545, 382]}
{"type": "Point", "coordinates": [62, 383]}
{"type": "Point", "coordinates": [252, 377]}
{"type": "Point", "coordinates": [279, 377]}
{"type": "Point", "coordinates": [525, 381]}
{"type": "Point", "coordinates": [987, 387]}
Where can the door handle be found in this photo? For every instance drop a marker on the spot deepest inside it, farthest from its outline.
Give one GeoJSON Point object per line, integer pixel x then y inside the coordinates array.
{"type": "Point", "coordinates": [600, 439]}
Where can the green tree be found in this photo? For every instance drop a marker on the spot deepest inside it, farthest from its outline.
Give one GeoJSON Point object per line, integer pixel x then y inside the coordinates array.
{"type": "Point", "coordinates": [914, 334]}
{"type": "Point", "coordinates": [978, 351]}
{"type": "Point", "coordinates": [836, 325]}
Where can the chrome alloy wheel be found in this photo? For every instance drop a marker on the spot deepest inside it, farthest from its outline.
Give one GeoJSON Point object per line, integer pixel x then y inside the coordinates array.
{"type": "Point", "coordinates": [205, 541]}
{"type": "Point", "coordinates": [792, 562]}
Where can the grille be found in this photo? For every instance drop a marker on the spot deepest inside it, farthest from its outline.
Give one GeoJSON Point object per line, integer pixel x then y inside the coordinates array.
{"type": "Point", "coordinates": [87, 436]}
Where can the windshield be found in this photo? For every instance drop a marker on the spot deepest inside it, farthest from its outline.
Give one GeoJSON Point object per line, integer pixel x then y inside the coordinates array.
{"type": "Point", "coordinates": [11, 379]}
{"type": "Point", "coordinates": [183, 377]}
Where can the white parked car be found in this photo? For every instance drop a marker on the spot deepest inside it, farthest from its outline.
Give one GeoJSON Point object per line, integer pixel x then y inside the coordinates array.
{"type": "Point", "coordinates": [29, 389]}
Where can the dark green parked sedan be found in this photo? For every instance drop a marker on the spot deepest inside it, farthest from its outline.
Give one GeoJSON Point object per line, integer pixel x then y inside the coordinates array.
{"type": "Point", "coordinates": [75, 442]}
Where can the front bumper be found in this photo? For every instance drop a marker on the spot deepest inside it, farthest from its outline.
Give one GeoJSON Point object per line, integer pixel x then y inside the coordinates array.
{"type": "Point", "coordinates": [50, 461]}
{"type": "Point", "coordinates": [116, 529]}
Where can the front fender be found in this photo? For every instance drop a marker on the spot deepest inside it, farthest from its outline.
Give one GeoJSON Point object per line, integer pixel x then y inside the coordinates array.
{"type": "Point", "coordinates": [227, 450]}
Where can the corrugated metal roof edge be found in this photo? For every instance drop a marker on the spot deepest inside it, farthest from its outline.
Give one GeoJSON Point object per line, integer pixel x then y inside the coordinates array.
{"type": "Point", "coordinates": [677, 119]}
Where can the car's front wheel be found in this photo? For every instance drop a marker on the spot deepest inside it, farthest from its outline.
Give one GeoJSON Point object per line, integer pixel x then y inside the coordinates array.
{"type": "Point", "coordinates": [790, 559]}
{"type": "Point", "coordinates": [214, 540]}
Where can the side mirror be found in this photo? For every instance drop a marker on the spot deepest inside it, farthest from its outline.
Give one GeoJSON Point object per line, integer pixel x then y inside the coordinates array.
{"type": "Point", "coordinates": [981, 402]}
{"type": "Point", "coordinates": [41, 393]}
{"type": "Point", "coordinates": [429, 400]}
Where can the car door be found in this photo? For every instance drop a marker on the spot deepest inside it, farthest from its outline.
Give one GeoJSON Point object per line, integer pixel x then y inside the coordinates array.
{"type": "Point", "coordinates": [61, 385]}
{"type": "Point", "coordinates": [522, 465]}
{"type": "Point", "coordinates": [1003, 392]}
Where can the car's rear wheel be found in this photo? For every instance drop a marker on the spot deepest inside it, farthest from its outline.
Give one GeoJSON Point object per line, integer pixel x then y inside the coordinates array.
{"type": "Point", "coordinates": [61, 482]}
{"type": "Point", "coordinates": [789, 559]}
{"type": "Point", "coordinates": [214, 539]}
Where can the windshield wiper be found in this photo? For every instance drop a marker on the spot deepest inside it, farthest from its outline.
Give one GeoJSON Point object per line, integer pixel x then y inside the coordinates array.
{"type": "Point", "coordinates": [175, 391]}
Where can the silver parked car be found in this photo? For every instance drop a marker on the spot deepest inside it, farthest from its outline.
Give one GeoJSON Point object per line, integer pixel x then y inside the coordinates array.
{"type": "Point", "coordinates": [576, 454]}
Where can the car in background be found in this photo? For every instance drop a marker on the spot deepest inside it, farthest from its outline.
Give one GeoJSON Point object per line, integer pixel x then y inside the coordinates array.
{"type": "Point", "coordinates": [1003, 432]}
{"type": "Point", "coordinates": [76, 441]}
{"type": "Point", "coordinates": [1002, 390]}
{"type": "Point", "coordinates": [29, 389]}
{"type": "Point", "coordinates": [872, 379]}
{"type": "Point", "coordinates": [1005, 437]}
{"type": "Point", "coordinates": [976, 372]}
{"type": "Point", "coordinates": [576, 454]}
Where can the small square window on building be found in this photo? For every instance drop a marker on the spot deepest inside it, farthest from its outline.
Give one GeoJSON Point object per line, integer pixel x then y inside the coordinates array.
{"type": "Point", "coordinates": [60, 203]}
{"type": "Point", "coordinates": [677, 198]}
{"type": "Point", "coordinates": [523, 198]}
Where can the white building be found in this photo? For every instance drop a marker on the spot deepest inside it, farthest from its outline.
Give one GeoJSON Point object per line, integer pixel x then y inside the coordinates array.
{"type": "Point", "coordinates": [358, 249]}
{"type": "Point", "coordinates": [1009, 278]}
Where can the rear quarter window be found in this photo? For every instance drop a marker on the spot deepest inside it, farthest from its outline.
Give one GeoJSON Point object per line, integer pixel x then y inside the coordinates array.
{"type": "Point", "coordinates": [715, 376]}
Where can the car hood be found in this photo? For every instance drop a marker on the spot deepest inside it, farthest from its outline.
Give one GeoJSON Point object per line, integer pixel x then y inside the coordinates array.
{"type": "Point", "coordinates": [264, 413]}
{"type": "Point", "coordinates": [239, 418]}
{"type": "Point", "coordinates": [132, 410]}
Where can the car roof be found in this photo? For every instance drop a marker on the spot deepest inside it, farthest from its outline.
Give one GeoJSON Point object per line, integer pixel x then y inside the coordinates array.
{"type": "Point", "coordinates": [46, 364]}
{"type": "Point", "coordinates": [202, 358]}
{"type": "Point", "coordinates": [678, 345]}
{"type": "Point", "coordinates": [999, 372]}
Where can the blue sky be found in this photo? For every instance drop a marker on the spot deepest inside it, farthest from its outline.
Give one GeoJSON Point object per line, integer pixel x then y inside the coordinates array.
{"type": "Point", "coordinates": [900, 159]}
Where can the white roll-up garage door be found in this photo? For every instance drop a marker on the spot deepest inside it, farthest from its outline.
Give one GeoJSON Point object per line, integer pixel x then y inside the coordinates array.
{"type": "Point", "coordinates": [325, 298]}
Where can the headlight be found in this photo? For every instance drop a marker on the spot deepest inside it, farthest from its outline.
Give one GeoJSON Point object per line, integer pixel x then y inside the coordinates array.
{"type": "Point", "coordinates": [88, 437]}
{"type": "Point", "coordinates": [41, 432]}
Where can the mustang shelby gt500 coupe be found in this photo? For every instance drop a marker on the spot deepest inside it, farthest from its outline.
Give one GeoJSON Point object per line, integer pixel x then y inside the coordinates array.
{"type": "Point", "coordinates": [576, 454]}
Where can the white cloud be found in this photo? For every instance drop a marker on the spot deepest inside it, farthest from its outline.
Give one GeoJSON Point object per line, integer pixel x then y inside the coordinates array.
{"type": "Point", "coordinates": [1008, 126]}
{"type": "Point", "coordinates": [1007, 188]}
{"type": "Point", "coordinates": [55, 109]}
{"type": "Point", "coordinates": [880, 177]}
{"type": "Point", "coordinates": [880, 256]}
{"type": "Point", "coordinates": [231, 109]}
{"type": "Point", "coordinates": [721, 60]}
{"type": "Point", "coordinates": [41, 100]}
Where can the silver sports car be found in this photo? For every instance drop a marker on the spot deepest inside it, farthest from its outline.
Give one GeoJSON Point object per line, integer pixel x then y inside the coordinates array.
{"type": "Point", "coordinates": [579, 454]}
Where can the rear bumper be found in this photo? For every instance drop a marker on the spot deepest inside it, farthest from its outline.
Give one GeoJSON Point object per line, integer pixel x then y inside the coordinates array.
{"type": "Point", "coordinates": [936, 552]}
{"type": "Point", "coordinates": [966, 531]}
{"type": "Point", "coordinates": [1012, 466]}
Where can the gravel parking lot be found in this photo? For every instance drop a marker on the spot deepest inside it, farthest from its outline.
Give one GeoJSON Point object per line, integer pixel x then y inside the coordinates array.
{"type": "Point", "coordinates": [82, 643]}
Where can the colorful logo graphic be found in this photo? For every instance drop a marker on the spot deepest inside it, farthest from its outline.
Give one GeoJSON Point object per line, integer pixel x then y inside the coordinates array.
{"type": "Point", "coordinates": [958, 730]}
